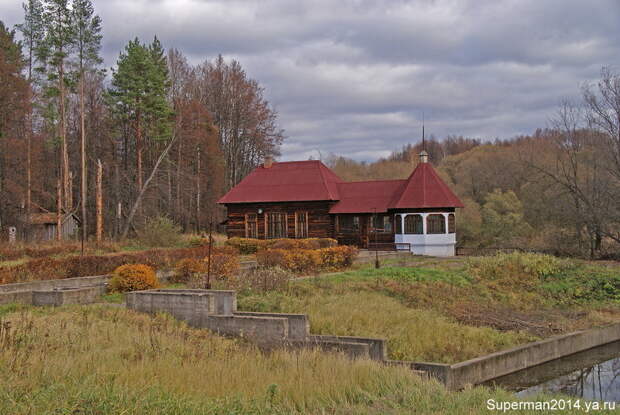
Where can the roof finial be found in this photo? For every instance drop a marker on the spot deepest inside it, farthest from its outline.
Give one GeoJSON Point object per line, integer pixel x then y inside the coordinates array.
{"type": "Point", "coordinates": [423, 135]}
{"type": "Point", "coordinates": [423, 153]}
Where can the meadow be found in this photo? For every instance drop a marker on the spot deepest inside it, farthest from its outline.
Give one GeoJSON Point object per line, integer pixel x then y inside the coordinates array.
{"type": "Point", "coordinates": [453, 310]}
{"type": "Point", "coordinates": [102, 359]}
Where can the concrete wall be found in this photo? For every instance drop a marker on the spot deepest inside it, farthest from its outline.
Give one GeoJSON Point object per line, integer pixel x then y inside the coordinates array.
{"type": "Point", "coordinates": [52, 284]}
{"type": "Point", "coordinates": [23, 297]}
{"type": "Point", "coordinates": [377, 348]}
{"type": "Point", "coordinates": [298, 324]}
{"type": "Point", "coordinates": [266, 331]}
{"type": "Point", "coordinates": [191, 306]}
{"type": "Point", "coordinates": [481, 369]}
{"type": "Point", "coordinates": [66, 296]}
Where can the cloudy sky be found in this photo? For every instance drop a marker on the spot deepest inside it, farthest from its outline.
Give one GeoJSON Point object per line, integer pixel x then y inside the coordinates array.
{"type": "Point", "coordinates": [354, 77]}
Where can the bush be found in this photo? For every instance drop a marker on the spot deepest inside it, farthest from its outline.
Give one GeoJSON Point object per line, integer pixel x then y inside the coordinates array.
{"type": "Point", "coordinates": [308, 260]}
{"type": "Point", "coordinates": [160, 231]}
{"type": "Point", "coordinates": [519, 269]}
{"type": "Point", "coordinates": [247, 246]}
{"type": "Point", "coordinates": [224, 264]}
{"type": "Point", "coordinates": [187, 269]}
{"type": "Point", "coordinates": [338, 257]}
{"type": "Point", "coordinates": [133, 277]}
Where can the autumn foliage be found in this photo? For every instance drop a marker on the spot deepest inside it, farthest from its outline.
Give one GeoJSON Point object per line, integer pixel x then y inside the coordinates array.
{"type": "Point", "coordinates": [303, 261]}
{"type": "Point", "coordinates": [133, 277]}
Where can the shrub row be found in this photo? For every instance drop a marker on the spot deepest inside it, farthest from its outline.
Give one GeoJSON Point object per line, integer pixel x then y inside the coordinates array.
{"type": "Point", "coordinates": [81, 266]}
{"type": "Point", "coordinates": [247, 246]}
{"type": "Point", "coordinates": [12, 252]}
{"type": "Point", "coordinates": [308, 260]}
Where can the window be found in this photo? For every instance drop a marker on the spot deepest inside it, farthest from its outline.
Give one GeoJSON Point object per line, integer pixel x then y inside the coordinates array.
{"type": "Point", "coordinates": [251, 226]}
{"type": "Point", "coordinates": [348, 223]}
{"type": "Point", "coordinates": [301, 224]}
{"type": "Point", "coordinates": [276, 225]}
{"type": "Point", "coordinates": [382, 223]}
{"type": "Point", "coordinates": [451, 223]}
{"type": "Point", "coordinates": [398, 224]}
{"type": "Point", "coordinates": [435, 224]}
{"type": "Point", "coordinates": [414, 225]}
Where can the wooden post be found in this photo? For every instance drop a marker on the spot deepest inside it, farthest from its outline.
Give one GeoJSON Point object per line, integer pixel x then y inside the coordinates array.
{"type": "Point", "coordinates": [208, 282]}
{"type": "Point", "coordinates": [99, 201]}
{"type": "Point", "coordinates": [59, 211]}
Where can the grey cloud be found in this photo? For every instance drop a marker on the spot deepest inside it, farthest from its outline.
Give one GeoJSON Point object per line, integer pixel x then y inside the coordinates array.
{"type": "Point", "coordinates": [353, 77]}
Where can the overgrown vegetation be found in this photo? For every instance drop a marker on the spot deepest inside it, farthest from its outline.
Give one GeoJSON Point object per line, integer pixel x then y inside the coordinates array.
{"type": "Point", "coordinates": [247, 246]}
{"type": "Point", "coordinates": [160, 232]}
{"type": "Point", "coordinates": [442, 311]}
{"type": "Point", "coordinates": [103, 360]}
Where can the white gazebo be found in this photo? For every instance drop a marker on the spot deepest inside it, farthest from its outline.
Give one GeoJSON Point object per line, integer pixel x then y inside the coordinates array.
{"type": "Point", "coordinates": [426, 233]}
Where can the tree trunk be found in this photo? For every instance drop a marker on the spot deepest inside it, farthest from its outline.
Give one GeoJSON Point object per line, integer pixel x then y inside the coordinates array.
{"type": "Point", "coordinates": [83, 158]}
{"type": "Point", "coordinates": [136, 204]}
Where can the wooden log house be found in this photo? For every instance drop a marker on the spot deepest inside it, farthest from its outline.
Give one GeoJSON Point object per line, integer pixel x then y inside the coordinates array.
{"type": "Point", "coordinates": [305, 199]}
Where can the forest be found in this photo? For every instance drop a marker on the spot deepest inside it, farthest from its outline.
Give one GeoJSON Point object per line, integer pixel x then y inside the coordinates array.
{"type": "Point", "coordinates": [158, 136]}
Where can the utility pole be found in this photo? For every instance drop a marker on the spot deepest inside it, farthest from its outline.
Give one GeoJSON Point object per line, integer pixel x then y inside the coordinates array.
{"type": "Point", "coordinates": [99, 201]}
{"type": "Point", "coordinates": [374, 228]}
{"type": "Point", "coordinates": [208, 283]}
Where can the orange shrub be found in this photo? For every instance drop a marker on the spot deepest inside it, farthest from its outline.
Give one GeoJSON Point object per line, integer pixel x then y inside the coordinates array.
{"type": "Point", "coordinates": [223, 264]}
{"type": "Point", "coordinates": [186, 269]}
{"type": "Point", "coordinates": [133, 277]}
{"type": "Point", "coordinates": [307, 260]}
{"type": "Point", "coordinates": [338, 256]}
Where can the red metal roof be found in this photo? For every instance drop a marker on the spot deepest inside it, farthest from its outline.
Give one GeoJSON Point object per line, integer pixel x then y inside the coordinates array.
{"type": "Point", "coordinates": [425, 189]}
{"type": "Point", "coordinates": [312, 180]}
{"type": "Point", "coordinates": [367, 197]}
{"type": "Point", "coordinates": [288, 181]}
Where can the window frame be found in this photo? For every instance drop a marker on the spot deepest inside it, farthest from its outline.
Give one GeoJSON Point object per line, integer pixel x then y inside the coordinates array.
{"type": "Point", "coordinates": [415, 228]}
{"type": "Point", "coordinates": [270, 228]}
{"type": "Point", "coordinates": [451, 223]}
{"type": "Point", "coordinates": [249, 224]}
{"type": "Point", "coordinates": [432, 224]}
{"type": "Point", "coordinates": [355, 224]}
{"type": "Point", "coordinates": [301, 227]}
{"type": "Point", "coordinates": [385, 220]}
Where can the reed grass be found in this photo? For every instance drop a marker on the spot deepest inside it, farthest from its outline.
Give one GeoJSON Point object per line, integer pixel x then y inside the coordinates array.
{"type": "Point", "coordinates": [106, 360]}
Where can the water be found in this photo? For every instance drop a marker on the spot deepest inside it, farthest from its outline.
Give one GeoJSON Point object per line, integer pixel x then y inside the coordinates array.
{"type": "Point", "coordinates": [593, 375]}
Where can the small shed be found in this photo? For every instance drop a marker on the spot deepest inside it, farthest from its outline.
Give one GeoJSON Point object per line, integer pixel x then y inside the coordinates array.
{"type": "Point", "coordinates": [42, 226]}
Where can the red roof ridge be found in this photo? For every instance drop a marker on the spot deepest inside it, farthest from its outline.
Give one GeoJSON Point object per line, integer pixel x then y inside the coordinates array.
{"type": "Point", "coordinates": [329, 191]}
{"type": "Point", "coordinates": [376, 181]}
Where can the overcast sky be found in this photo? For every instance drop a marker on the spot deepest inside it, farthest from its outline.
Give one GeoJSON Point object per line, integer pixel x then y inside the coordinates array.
{"type": "Point", "coordinates": [354, 77]}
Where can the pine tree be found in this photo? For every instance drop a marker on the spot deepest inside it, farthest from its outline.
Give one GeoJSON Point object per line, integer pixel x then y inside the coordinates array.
{"type": "Point", "coordinates": [88, 44]}
{"type": "Point", "coordinates": [32, 32]}
{"type": "Point", "coordinates": [138, 95]}
{"type": "Point", "coordinates": [53, 52]}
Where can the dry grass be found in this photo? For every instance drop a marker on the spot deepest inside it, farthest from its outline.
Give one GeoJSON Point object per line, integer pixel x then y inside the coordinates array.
{"type": "Point", "coordinates": [103, 360]}
{"type": "Point", "coordinates": [413, 334]}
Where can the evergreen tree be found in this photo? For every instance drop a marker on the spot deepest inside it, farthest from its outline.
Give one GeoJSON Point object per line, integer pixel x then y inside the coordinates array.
{"type": "Point", "coordinates": [32, 32]}
{"type": "Point", "coordinates": [88, 44]}
{"type": "Point", "coordinates": [138, 95]}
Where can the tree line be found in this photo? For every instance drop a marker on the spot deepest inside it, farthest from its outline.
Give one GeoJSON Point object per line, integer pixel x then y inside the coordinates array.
{"type": "Point", "coordinates": [169, 137]}
{"type": "Point", "coordinates": [556, 190]}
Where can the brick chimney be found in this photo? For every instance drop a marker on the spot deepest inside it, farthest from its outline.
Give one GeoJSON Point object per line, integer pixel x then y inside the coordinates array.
{"type": "Point", "coordinates": [268, 162]}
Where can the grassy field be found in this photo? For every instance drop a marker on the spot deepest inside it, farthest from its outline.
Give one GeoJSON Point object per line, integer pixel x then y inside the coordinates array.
{"type": "Point", "coordinates": [107, 360]}
{"type": "Point", "coordinates": [452, 310]}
